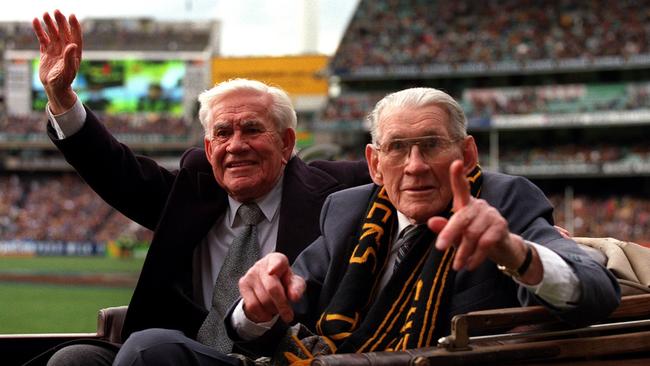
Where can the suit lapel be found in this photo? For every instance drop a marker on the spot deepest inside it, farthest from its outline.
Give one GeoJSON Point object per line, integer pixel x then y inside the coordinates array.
{"type": "Point", "coordinates": [192, 210]}
{"type": "Point", "coordinates": [303, 193]}
{"type": "Point", "coordinates": [203, 210]}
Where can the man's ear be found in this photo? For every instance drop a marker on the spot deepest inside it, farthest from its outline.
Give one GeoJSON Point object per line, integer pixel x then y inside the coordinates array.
{"type": "Point", "coordinates": [470, 154]}
{"type": "Point", "coordinates": [288, 143]}
{"type": "Point", "coordinates": [208, 148]}
{"type": "Point", "coordinates": [372, 158]}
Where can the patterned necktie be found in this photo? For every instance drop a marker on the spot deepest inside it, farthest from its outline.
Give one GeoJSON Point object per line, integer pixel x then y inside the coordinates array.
{"type": "Point", "coordinates": [243, 253]}
{"type": "Point", "coordinates": [405, 241]}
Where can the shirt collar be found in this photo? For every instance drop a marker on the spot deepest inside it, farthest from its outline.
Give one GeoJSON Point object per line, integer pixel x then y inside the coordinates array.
{"type": "Point", "coordinates": [402, 222]}
{"type": "Point", "coordinates": [269, 203]}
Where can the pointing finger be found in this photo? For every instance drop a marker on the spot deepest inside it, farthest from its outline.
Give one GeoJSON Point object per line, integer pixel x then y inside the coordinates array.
{"type": "Point", "coordinates": [277, 264]}
{"type": "Point", "coordinates": [451, 232]}
{"type": "Point", "coordinates": [459, 185]}
{"type": "Point", "coordinates": [294, 284]}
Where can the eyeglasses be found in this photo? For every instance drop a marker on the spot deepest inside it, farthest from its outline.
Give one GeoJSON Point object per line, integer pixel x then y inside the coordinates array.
{"type": "Point", "coordinates": [430, 147]}
{"type": "Point", "coordinates": [248, 131]}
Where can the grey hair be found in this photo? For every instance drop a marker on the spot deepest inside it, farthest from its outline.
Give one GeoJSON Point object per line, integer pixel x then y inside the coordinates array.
{"type": "Point", "coordinates": [281, 111]}
{"type": "Point", "coordinates": [419, 97]}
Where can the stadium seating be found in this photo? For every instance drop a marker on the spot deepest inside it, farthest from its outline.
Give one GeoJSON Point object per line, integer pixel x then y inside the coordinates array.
{"type": "Point", "coordinates": [566, 107]}
{"type": "Point", "coordinates": [27, 212]}
{"type": "Point", "coordinates": [388, 33]}
{"type": "Point", "coordinates": [139, 34]}
{"type": "Point", "coordinates": [587, 68]}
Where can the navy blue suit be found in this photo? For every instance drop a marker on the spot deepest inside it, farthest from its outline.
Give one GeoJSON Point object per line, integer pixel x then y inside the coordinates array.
{"type": "Point", "coordinates": [528, 213]}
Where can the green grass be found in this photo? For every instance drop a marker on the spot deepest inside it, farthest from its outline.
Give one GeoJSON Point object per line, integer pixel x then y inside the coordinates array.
{"type": "Point", "coordinates": [70, 265]}
{"type": "Point", "coordinates": [46, 308]}
{"type": "Point", "coordinates": [33, 308]}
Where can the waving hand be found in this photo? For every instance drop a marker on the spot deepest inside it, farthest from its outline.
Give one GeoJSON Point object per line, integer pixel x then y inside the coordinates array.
{"type": "Point", "coordinates": [60, 47]}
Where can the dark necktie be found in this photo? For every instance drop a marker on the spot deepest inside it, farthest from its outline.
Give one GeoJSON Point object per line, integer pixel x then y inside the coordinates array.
{"type": "Point", "coordinates": [405, 241]}
{"type": "Point", "coordinates": [242, 254]}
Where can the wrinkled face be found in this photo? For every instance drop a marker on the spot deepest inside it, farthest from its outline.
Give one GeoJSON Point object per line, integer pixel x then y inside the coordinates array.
{"type": "Point", "coordinates": [417, 181]}
{"type": "Point", "coordinates": [244, 146]}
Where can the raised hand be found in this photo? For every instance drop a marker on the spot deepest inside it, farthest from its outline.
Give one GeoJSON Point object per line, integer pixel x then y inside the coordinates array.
{"type": "Point", "coordinates": [477, 229]}
{"type": "Point", "coordinates": [60, 49]}
{"type": "Point", "coordinates": [269, 287]}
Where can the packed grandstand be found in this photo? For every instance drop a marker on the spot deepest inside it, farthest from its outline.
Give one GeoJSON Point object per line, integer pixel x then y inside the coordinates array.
{"type": "Point", "coordinates": [569, 108]}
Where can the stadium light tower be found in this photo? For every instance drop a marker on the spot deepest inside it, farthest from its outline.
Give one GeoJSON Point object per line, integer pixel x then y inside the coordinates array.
{"type": "Point", "coordinates": [310, 27]}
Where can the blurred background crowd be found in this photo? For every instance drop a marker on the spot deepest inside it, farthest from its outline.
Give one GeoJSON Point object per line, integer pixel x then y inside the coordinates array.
{"type": "Point", "coordinates": [555, 91]}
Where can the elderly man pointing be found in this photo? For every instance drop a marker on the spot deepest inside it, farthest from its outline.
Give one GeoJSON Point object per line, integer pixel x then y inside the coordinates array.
{"type": "Point", "coordinates": [434, 236]}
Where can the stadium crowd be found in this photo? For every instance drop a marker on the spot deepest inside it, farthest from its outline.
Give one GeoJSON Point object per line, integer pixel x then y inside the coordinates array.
{"type": "Point", "coordinates": [576, 154]}
{"type": "Point", "coordinates": [173, 128]}
{"type": "Point", "coordinates": [579, 98]}
{"type": "Point", "coordinates": [28, 211]}
{"type": "Point", "coordinates": [622, 216]}
{"type": "Point", "coordinates": [383, 32]}
{"type": "Point", "coordinates": [350, 107]}
{"type": "Point", "coordinates": [143, 124]}
{"type": "Point", "coordinates": [136, 34]}
{"type": "Point", "coordinates": [488, 102]}
{"type": "Point", "coordinates": [421, 32]}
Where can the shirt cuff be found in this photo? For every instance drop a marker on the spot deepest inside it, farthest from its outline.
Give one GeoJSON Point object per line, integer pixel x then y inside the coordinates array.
{"type": "Point", "coordinates": [560, 287]}
{"type": "Point", "coordinates": [69, 122]}
{"type": "Point", "coordinates": [246, 328]}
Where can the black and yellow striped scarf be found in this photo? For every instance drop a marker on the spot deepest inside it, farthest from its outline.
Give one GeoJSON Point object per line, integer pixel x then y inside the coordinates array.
{"type": "Point", "coordinates": [410, 312]}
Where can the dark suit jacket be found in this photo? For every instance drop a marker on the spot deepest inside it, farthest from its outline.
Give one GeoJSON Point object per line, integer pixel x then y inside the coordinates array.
{"type": "Point", "coordinates": [528, 213]}
{"type": "Point", "coordinates": [181, 206]}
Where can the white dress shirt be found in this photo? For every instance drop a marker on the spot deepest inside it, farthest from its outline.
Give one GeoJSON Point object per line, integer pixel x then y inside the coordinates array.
{"type": "Point", "coordinates": [68, 122]}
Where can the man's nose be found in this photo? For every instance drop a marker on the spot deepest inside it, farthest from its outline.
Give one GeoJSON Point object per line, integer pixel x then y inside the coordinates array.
{"type": "Point", "coordinates": [237, 142]}
{"type": "Point", "coordinates": [415, 161]}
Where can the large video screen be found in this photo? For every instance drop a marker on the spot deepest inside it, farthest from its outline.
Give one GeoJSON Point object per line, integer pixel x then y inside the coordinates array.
{"type": "Point", "coordinates": [123, 86]}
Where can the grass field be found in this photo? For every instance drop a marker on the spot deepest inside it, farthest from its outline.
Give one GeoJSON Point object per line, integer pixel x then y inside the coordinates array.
{"type": "Point", "coordinates": [70, 265]}
{"type": "Point", "coordinates": [47, 308]}
{"type": "Point", "coordinates": [34, 308]}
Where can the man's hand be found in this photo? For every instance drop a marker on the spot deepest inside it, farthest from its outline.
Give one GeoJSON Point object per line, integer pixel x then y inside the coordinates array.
{"type": "Point", "coordinates": [564, 232]}
{"type": "Point", "coordinates": [269, 287]}
{"type": "Point", "coordinates": [60, 50]}
{"type": "Point", "coordinates": [479, 231]}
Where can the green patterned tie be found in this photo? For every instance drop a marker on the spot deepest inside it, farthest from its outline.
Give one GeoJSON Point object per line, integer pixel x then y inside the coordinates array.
{"type": "Point", "coordinates": [243, 253]}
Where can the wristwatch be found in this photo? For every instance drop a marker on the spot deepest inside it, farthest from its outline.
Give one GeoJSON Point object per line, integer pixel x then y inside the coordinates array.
{"type": "Point", "coordinates": [516, 273]}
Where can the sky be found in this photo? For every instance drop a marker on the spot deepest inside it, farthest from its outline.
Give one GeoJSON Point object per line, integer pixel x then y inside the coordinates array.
{"type": "Point", "coordinates": [248, 27]}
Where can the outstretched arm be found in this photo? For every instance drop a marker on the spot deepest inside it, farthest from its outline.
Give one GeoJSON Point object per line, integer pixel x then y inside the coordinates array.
{"type": "Point", "coordinates": [60, 47]}
{"type": "Point", "coordinates": [269, 288]}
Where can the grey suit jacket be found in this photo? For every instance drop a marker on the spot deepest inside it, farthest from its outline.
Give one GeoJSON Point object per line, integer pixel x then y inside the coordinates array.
{"type": "Point", "coordinates": [528, 213]}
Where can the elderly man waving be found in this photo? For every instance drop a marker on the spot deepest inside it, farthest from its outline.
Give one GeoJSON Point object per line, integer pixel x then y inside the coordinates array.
{"type": "Point", "coordinates": [243, 196]}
